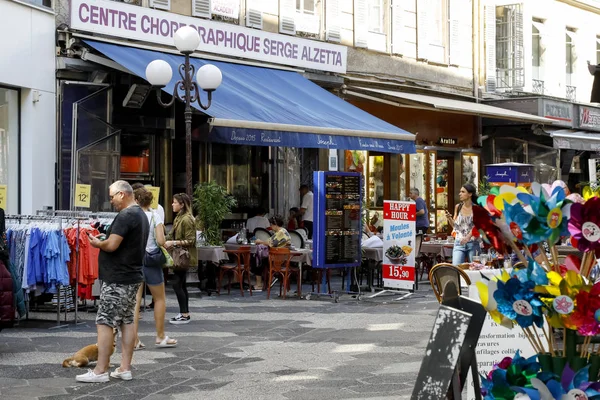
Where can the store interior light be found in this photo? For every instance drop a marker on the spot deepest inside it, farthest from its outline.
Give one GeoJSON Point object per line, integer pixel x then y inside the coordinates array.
{"type": "Point", "coordinates": [159, 73]}
{"type": "Point", "coordinates": [209, 77]}
{"type": "Point", "coordinates": [186, 39]}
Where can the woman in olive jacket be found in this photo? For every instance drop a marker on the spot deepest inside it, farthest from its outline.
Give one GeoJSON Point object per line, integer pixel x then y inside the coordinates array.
{"type": "Point", "coordinates": [183, 235]}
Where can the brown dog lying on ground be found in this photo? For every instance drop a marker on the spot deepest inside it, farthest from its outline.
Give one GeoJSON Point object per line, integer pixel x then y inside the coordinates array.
{"type": "Point", "coordinates": [88, 354]}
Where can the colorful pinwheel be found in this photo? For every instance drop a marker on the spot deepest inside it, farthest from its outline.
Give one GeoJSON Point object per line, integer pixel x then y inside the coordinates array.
{"type": "Point", "coordinates": [583, 317]}
{"type": "Point", "coordinates": [517, 301]}
{"type": "Point", "coordinates": [584, 224]}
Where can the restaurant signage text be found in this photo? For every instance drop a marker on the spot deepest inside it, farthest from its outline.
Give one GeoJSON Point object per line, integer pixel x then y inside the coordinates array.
{"type": "Point", "coordinates": [139, 23]}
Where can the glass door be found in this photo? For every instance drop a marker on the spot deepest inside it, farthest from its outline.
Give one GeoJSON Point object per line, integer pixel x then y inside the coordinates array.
{"type": "Point", "coordinates": [443, 191]}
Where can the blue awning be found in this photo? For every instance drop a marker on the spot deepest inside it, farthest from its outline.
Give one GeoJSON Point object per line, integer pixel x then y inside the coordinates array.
{"type": "Point", "coordinates": [269, 107]}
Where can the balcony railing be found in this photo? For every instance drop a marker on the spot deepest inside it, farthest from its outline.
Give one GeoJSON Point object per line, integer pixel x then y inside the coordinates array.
{"type": "Point", "coordinates": [571, 93]}
{"type": "Point", "coordinates": [537, 86]}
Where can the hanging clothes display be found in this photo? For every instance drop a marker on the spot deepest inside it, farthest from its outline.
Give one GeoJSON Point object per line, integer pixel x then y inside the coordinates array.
{"type": "Point", "coordinates": [39, 253]}
{"type": "Point", "coordinates": [87, 262]}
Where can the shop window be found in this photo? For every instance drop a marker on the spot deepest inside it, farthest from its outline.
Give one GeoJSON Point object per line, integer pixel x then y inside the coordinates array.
{"type": "Point", "coordinates": [240, 170]}
{"type": "Point", "coordinates": [136, 157]}
{"type": "Point", "coordinates": [470, 169]}
{"type": "Point", "coordinates": [544, 160]}
{"type": "Point", "coordinates": [372, 166]}
{"type": "Point", "coordinates": [9, 150]}
{"type": "Point", "coordinates": [375, 11]}
{"type": "Point", "coordinates": [510, 150]}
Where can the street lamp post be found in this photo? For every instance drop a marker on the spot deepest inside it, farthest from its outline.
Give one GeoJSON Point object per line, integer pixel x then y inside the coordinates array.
{"type": "Point", "coordinates": [209, 77]}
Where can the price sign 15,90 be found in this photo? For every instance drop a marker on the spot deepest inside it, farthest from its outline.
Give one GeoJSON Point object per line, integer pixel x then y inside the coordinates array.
{"type": "Point", "coordinates": [399, 272]}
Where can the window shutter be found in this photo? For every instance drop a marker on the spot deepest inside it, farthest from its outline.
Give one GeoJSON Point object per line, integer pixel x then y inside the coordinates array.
{"type": "Point", "coordinates": [161, 4]}
{"type": "Point", "coordinates": [397, 27]}
{"type": "Point", "coordinates": [519, 49]}
{"type": "Point", "coordinates": [201, 8]}
{"type": "Point", "coordinates": [461, 33]}
{"type": "Point", "coordinates": [422, 30]}
{"type": "Point", "coordinates": [254, 17]}
{"type": "Point", "coordinates": [287, 15]}
{"type": "Point", "coordinates": [361, 30]}
{"type": "Point", "coordinates": [332, 21]}
{"type": "Point", "coordinates": [490, 48]}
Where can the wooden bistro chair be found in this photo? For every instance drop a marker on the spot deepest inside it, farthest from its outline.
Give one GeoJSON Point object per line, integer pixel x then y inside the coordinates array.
{"type": "Point", "coordinates": [441, 274]}
{"type": "Point", "coordinates": [279, 264]}
{"type": "Point", "coordinates": [239, 268]}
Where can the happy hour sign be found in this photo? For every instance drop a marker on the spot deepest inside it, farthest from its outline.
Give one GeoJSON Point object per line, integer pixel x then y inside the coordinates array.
{"type": "Point", "coordinates": [145, 24]}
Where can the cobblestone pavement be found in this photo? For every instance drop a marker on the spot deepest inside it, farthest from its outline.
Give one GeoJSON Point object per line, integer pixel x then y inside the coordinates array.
{"type": "Point", "coordinates": [238, 348]}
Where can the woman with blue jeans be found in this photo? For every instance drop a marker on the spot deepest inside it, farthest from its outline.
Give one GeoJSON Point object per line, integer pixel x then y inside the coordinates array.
{"type": "Point", "coordinates": [465, 245]}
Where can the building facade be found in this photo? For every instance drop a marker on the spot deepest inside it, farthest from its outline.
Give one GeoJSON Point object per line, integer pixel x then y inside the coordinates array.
{"type": "Point", "coordinates": [539, 59]}
{"type": "Point", "coordinates": [27, 106]}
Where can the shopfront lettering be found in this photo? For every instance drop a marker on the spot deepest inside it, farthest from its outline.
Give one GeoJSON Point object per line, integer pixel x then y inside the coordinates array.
{"type": "Point", "coordinates": [270, 137]}
{"type": "Point", "coordinates": [558, 111]}
{"type": "Point", "coordinates": [370, 145]}
{"type": "Point", "coordinates": [395, 147]}
{"type": "Point", "coordinates": [138, 23]}
{"type": "Point", "coordinates": [328, 142]}
{"type": "Point", "coordinates": [235, 137]}
{"type": "Point", "coordinates": [589, 117]}
{"type": "Point", "coordinates": [502, 175]}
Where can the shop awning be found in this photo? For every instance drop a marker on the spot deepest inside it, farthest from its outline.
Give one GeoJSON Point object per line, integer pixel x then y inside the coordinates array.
{"type": "Point", "coordinates": [567, 139]}
{"type": "Point", "coordinates": [402, 99]}
{"type": "Point", "coordinates": [269, 107]}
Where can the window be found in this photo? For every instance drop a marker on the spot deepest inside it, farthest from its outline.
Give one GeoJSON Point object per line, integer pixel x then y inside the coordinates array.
{"type": "Point", "coordinates": [597, 50]}
{"type": "Point", "coordinates": [536, 49]}
{"type": "Point", "coordinates": [375, 9]}
{"type": "Point", "coordinates": [569, 55]}
{"type": "Point", "coordinates": [305, 6]}
{"type": "Point", "coordinates": [43, 3]}
{"type": "Point", "coordinates": [9, 150]}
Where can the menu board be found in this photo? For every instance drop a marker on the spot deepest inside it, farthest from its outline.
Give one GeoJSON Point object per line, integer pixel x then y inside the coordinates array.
{"type": "Point", "coordinates": [337, 226]}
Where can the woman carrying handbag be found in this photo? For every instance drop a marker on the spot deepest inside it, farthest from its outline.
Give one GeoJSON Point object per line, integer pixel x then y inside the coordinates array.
{"type": "Point", "coordinates": [181, 243]}
{"type": "Point", "coordinates": [154, 260]}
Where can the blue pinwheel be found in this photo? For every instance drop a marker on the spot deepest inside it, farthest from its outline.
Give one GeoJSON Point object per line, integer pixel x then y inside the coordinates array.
{"type": "Point", "coordinates": [517, 301]}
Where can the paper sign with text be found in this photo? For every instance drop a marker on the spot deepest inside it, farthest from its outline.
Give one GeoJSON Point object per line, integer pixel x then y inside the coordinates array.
{"type": "Point", "coordinates": [399, 231]}
{"type": "Point", "coordinates": [155, 190]}
{"type": "Point", "coordinates": [3, 194]}
{"type": "Point", "coordinates": [82, 195]}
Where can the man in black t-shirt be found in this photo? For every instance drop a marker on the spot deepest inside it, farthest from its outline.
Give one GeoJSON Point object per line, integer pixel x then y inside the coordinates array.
{"type": "Point", "coordinates": [120, 267]}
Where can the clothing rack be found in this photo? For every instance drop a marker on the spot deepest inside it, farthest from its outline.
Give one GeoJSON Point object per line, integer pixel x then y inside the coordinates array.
{"type": "Point", "coordinates": [59, 221]}
{"type": "Point", "coordinates": [79, 216]}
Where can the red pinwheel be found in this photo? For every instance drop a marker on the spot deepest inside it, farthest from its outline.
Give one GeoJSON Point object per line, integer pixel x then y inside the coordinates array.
{"type": "Point", "coordinates": [488, 230]}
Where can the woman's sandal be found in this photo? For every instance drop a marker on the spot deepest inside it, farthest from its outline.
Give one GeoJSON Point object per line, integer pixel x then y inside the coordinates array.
{"type": "Point", "coordinates": [139, 345]}
{"type": "Point", "coordinates": [166, 342]}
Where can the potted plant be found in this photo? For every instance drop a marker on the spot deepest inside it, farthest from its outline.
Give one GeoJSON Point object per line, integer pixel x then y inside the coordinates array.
{"type": "Point", "coordinates": [212, 203]}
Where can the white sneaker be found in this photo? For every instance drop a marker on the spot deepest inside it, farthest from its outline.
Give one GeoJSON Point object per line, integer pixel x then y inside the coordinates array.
{"type": "Point", "coordinates": [126, 376]}
{"type": "Point", "coordinates": [180, 319]}
{"type": "Point", "coordinates": [91, 377]}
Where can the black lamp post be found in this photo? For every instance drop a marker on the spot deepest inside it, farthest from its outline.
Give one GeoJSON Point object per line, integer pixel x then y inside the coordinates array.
{"type": "Point", "coordinates": [159, 73]}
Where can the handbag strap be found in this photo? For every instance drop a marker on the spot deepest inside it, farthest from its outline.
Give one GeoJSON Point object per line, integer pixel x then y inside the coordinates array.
{"type": "Point", "coordinates": [154, 228]}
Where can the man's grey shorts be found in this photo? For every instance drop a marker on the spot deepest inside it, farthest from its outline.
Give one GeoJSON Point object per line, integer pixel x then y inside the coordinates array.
{"type": "Point", "coordinates": [117, 304]}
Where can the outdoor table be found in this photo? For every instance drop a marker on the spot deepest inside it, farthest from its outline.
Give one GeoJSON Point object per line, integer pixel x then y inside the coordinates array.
{"type": "Point", "coordinates": [214, 254]}
{"type": "Point", "coordinates": [443, 249]}
{"type": "Point", "coordinates": [373, 253]}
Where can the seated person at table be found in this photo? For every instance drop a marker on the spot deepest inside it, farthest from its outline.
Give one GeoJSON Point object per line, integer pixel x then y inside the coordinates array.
{"type": "Point", "coordinates": [293, 224]}
{"type": "Point", "coordinates": [258, 221]}
{"type": "Point", "coordinates": [281, 237]}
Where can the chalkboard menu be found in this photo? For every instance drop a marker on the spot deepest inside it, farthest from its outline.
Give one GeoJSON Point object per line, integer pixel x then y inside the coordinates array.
{"type": "Point", "coordinates": [337, 226]}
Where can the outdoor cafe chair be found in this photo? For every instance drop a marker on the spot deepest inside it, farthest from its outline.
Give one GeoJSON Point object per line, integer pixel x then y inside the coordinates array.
{"type": "Point", "coordinates": [441, 274]}
{"type": "Point", "coordinates": [239, 268]}
{"type": "Point", "coordinates": [262, 234]}
{"type": "Point", "coordinates": [297, 239]}
{"type": "Point", "coordinates": [279, 264]}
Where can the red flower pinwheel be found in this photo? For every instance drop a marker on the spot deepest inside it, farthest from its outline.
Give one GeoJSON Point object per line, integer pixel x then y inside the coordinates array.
{"type": "Point", "coordinates": [490, 233]}
{"type": "Point", "coordinates": [584, 315]}
{"type": "Point", "coordinates": [584, 224]}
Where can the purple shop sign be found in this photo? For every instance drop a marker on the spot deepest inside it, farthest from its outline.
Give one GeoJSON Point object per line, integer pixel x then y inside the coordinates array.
{"type": "Point", "coordinates": [126, 21]}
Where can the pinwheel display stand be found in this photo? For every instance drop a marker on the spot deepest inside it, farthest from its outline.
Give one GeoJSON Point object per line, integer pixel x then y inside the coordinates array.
{"type": "Point", "coordinates": [553, 302]}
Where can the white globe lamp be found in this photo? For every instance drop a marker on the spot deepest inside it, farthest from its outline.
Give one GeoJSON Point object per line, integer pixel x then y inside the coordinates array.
{"type": "Point", "coordinates": [209, 77]}
{"type": "Point", "coordinates": [186, 39]}
{"type": "Point", "coordinates": [159, 73]}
